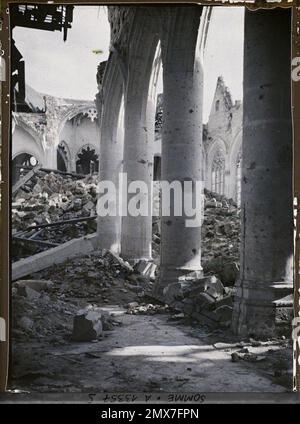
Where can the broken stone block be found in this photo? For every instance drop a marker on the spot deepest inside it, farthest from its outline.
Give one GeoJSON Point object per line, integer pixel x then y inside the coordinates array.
{"type": "Point", "coordinates": [89, 206]}
{"type": "Point", "coordinates": [225, 300]}
{"type": "Point", "coordinates": [132, 305]}
{"type": "Point", "coordinates": [146, 268]}
{"type": "Point", "coordinates": [224, 314]}
{"type": "Point", "coordinates": [25, 323]}
{"type": "Point", "coordinates": [203, 301]}
{"type": "Point", "coordinates": [87, 325]}
{"type": "Point", "coordinates": [27, 292]}
{"type": "Point", "coordinates": [37, 285]}
{"type": "Point", "coordinates": [191, 276]}
{"type": "Point", "coordinates": [235, 357]}
{"type": "Point", "coordinates": [107, 321]}
{"type": "Point", "coordinates": [213, 286]}
{"type": "Point", "coordinates": [229, 273]}
{"type": "Point", "coordinates": [211, 203]}
{"type": "Point", "coordinates": [117, 260]}
{"type": "Point", "coordinates": [173, 292]}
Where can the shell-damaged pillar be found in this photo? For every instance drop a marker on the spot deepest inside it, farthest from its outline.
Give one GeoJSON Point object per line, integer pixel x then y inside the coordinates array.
{"type": "Point", "coordinates": [266, 272]}
{"type": "Point", "coordinates": [111, 151]}
{"type": "Point", "coordinates": [181, 141]}
{"type": "Point", "coordinates": [138, 139]}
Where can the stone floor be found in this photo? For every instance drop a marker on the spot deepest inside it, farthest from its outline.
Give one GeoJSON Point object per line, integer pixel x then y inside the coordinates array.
{"type": "Point", "coordinates": [149, 354]}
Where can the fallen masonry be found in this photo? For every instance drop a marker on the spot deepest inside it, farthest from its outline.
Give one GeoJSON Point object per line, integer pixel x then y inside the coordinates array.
{"type": "Point", "coordinates": [90, 313]}
{"type": "Point", "coordinates": [75, 294]}
{"type": "Point", "coordinates": [203, 299]}
{"type": "Point", "coordinates": [49, 198]}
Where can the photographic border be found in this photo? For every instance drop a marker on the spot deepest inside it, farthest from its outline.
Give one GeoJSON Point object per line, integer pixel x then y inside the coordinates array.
{"type": "Point", "coordinates": [5, 112]}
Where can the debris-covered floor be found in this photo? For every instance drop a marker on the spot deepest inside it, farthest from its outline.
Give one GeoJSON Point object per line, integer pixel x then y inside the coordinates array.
{"type": "Point", "coordinates": [140, 345]}
{"type": "Point", "coordinates": [91, 323]}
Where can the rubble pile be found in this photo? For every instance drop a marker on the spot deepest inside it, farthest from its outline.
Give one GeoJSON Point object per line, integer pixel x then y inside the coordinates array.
{"type": "Point", "coordinates": [39, 314]}
{"type": "Point", "coordinates": [220, 238]}
{"type": "Point", "coordinates": [66, 301]}
{"type": "Point", "coordinates": [135, 308]}
{"type": "Point", "coordinates": [204, 299]}
{"type": "Point", "coordinates": [47, 198]}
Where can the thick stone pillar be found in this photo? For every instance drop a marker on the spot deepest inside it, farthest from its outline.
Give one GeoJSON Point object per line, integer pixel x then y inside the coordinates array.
{"type": "Point", "coordinates": [51, 155]}
{"type": "Point", "coordinates": [266, 272]}
{"type": "Point", "coordinates": [181, 138]}
{"type": "Point", "coordinates": [111, 152]}
{"type": "Point", "coordinates": [139, 138]}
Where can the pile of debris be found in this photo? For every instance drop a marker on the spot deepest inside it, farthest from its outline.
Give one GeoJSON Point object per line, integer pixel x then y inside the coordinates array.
{"type": "Point", "coordinates": [221, 238]}
{"type": "Point", "coordinates": [52, 208]}
{"type": "Point", "coordinates": [66, 302]}
{"type": "Point", "coordinates": [220, 241]}
{"type": "Point", "coordinates": [204, 299]}
{"type": "Point", "coordinates": [208, 299]}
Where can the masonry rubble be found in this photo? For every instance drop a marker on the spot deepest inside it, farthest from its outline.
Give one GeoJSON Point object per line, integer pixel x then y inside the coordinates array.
{"type": "Point", "coordinates": [50, 197]}
{"type": "Point", "coordinates": [208, 297]}
{"type": "Point", "coordinates": [52, 307]}
{"type": "Point", "coordinates": [47, 198]}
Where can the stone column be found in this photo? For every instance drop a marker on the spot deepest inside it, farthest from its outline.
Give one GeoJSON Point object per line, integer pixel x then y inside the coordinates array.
{"type": "Point", "coordinates": [266, 272]}
{"type": "Point", "coordinates": [181, 137]}
{"type": "Point", "coordinates": [139, 138]}
{"type": "Point", "coordinates": [111, 151]}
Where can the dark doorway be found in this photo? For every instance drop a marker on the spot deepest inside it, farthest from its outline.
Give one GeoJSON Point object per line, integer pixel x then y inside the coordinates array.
{"type": "Point", "coordinates": [87, 162]}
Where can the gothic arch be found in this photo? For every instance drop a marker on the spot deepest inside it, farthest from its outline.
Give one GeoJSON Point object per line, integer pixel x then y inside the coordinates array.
{"type": "Point", "coordinates": [235, 157]}
{"type": "Point", "coordinates": [87, 109]}
{"type": "Point", "coordinates": [25, 141]}
{"type": "Point", "coordinates": [217, 148]}
{"type": "Point", "coordinates": [32, 127]}
{"type": "Point", "coordinates": [63, 156]}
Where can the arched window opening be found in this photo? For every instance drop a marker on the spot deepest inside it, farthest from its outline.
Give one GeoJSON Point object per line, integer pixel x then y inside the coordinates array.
{"type": "Point", "coordinates": [88, 161]}
{"type": "Point", "coordinates": [62, 158]}
{"type": "Point", "coordinates": [238, 178]}
{"type": "Point", "coordinates": [21, 164]}
{"type": "Point", "coordinates": [218, 173]}
{"type": "Point", "coordinates": [217, 106]}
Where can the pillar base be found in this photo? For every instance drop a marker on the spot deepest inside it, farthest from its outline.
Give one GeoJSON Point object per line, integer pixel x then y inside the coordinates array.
{"type": "Point", "coordinates": [263, 310]}
{"type": "Point", "coordinates": [134, 261]}
{"type": "Point", "coordinates": [174, 275]}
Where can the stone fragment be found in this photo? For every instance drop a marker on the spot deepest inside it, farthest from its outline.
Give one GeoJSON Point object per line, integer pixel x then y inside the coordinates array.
{"type": "Point", "coordinates": [229, 273]}
{"type": "Point", "coordinates": [27, 292]}
{"type": "Point", "coordinates": [146, 268]}
{"type": "Point", "coordinates": [224, 314]}
{"type": "Point", "coordinates": [25, 323]}
{"type": "Point", "coordinates": [235, 357]}
{"type": "Point", "coordinates": [87, 325]}
{"type": "Point", "coordinates": [117, 260]}
{"type": "Point", "coordinates": [37, 285]}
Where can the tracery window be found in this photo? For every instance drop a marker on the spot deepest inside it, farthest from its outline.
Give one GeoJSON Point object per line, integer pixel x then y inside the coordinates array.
{"type": "Point", "coordinates": [218, 173]}
{"type": "Point", "coordinates": [87, 161]}
{"type": "Point", "coordinates": [238, 177]}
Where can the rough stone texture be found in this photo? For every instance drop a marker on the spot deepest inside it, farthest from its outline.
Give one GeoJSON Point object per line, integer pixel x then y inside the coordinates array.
{"type": "Point", "coordinates": [42, 132]}
{"type": "Point", "coordinates": [87, 325]}
{"type": "Point", "coordinates": [37, 285]}
{"type": "Point", "coordinates": [111, 140]}
{"type": "Point", "coordinates": [226, 118]}
{"type": "Point", "coordinates": [56, 255]}
{"type": "Point", "coordinates": [203, 299]}
{"type": "Point", "coordinates": [139, 123]}
{"type": "Point", "coordinates": [50, 197]}
{"type": "Point", "coordinates": [267, 199]}
{"type": "Point", "coordinates": [220, 238]}
{"type": "Point", "coordinates": [164, 350]}
{"type": "Point", "coordinates": [182, 137]}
